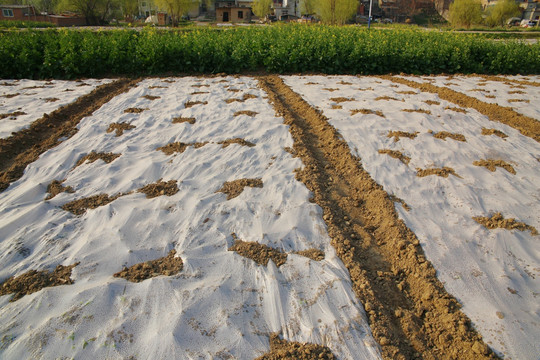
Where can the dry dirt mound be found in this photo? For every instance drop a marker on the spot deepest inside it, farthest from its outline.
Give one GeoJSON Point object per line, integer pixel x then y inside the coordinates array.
{"type": "Point", "coordinates": [341, 99]}
{"type": "Point", "coordinates": [150, 97]}
{"type": "Point", "coordinates": [12, 115]}
{"type": "Point", "coordinates": [189, 104]}
{"type": "Point", "coordinates": [51, 99]}
{"type": "Point", "coordinates": [456, 109]}
{"type": "Point", "coordinates": [494, 132]}
{"type": "Point", "coordinates": [443, 172]}
{"type": "Point", "coordinates": [431, 102]}
{"type": "Point", "coordinates": [79, 206]}
{"type": "Point", "coordinates": [159, 188]}
{"type": "Point", "coordinates": [313, 254]}
{"type": "Point", "coordinates": [235, 188]}
{"type": "Point", "coordinates": [246, 112]}
{"type": "Point", "coordinates": [93, 156]}
{"type": "Point", "coordinates": [421, 111]}
{"type": "Point", "coordinates": [119, 128]}
{"type": "Point", "coordinates": [497, 221]}
{"type": "Point", "coordinates": [168, 266]}
{"type": "Point", "coordinates": [178, 147]}
{"type": "Point", "coordinates": [387, 98]}
{"type": "Point", "coordinates": [33, 281]}
{"type": "Point", "coordinates": [180, 120]}
{"type": "Point", "coordinates": [396, 155]}
{"type": "Point", "coordinates": [394, 198]}
{"type": "Point", "coordinates": [238, 141]}
{"type": "Point", "coordinates": [258, 252]}
{"type": "Point", "coordinates": [491, 165]}
{"type": "Point", "coordinates": [366, 112]}
{"type": "Point", "coordinates": [25, 146]}
{"type": "Point", "coordinates": [56, 187]}
{"type": "Point", "coordinates": [399, 134]}
{"type": "Point", "coordinates": [9, 96]}
{"type": "Point", "coordinates": [244, 98]}
{"type": "Point", "coordinates": [285, 350]}
{"type": "Point", "coordinates": [445, 134]}
{"type": "Point", "coordinates": [135, 110]}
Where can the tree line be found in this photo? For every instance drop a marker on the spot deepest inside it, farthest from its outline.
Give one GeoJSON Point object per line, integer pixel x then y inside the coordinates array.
{"type": "Point", "coordinates": [465, 13]}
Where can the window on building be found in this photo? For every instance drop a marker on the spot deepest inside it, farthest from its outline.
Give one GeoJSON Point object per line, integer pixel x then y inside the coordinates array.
{"type": "Point", "coordinates": [7, 12]}
{"type": "Point", "coordinates": [240, 14]}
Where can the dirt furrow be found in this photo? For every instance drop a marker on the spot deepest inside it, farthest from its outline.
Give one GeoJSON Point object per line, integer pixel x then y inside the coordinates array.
{"type": "Point", "coordinates": [25, 146]}
{"type": "Point", "coordinates": [410, 313]}
{"type": "Point", "coordinates": [526, 125]}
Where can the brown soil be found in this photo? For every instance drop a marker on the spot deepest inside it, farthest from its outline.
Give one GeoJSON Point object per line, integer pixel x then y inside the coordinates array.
{"type": "Point", "coordinates": [407, 92]}
{"type": "Point", "coordinates": [442, 172]}
{"type": "Point", "coordinates": [8, 84]}
{"type": "Point", "coordinates": [234, 90]}
{"type": "Point", "coordinates": [56, 187]}
{"type": "Point", "coordinates": [238, 141]}
{"type": "Point", "coordinates": [285, 350]}
{"type": "Point", "coordinates": [134, 110]}
{"type": "Point", "coordinates": [456, 109]}
{"type": "Point", "coordinates": [79, 207]}
{"type": "Point", "coordinates": [431, 102]}
{"type": "Point", "coordinates": [258, 252]}
{"type": "Point", "coordinates": [491, 165]}
{"type": "Point", "coordinates": [519, 100]}
{"type": "Point", "coordinates": [246, 112]}
{"type": "Point", "coordinates": [387, 98]}
{"type": "Point", "coordinates": [516, 92]}
{"type": "Point", "coordinates": [344, 83]}
{"type": "Point", "coordinates": [168, 266]}
{"type": "Point", "coordinates": [52, 99]}
{"type": "Point", "coordinates": [490, 96]}
{"type": "Point", "coordinates": [199, 92]}
{"type": "Point", "coordinates": [180, 120]}
{"type": "Point", "coordinates": [497, 221]}
{"type": "Point", "coordinates": [179, 147]}
{"type": "Point", "coordinates": [25, 146]}
{"type": "Point", "coordinates": [157, 87]}
{"type": "Point", "coordinates": [150, 97]}
{"type": "Point", "coordinates": [337, 107]}
{"type": "Point", "coordinates": [422, 111]}
{"type": "Point", "coordinates": [313, 254]}
{"type": "Point", "coordinates": [445, 134]}
{"type": "Point", "coordinates": [410, 313]}
{"type": "Point", "coordinates": [200, 85]}
{"type": "Point", "coordinates": [235, 188]}
{"type": "Point", "coordinates": [244, 98]}
{"type": "Point", "coordinates": [330, 89]}
{"type": "Point", "coordinates": [119, 128]}
{"type": "Point", "coordinates": [396, 155]}
{"type": "Point", "coordinates": [341, 99]}
{"type": "Point", "coordinates": [13, 114]}
{"type": "Point", "coordinates": [526, 125]}
{"type": "Point", "coordinates": [189, 104]}
{"type": "Point", "coordinates": [494, 132]}
{"type": "Point", "coordinates": [9, 96]}
{"type": "Point", "coordinates": [33, 281]}
{"type": "Point", "coordinates": [93, 156]}
{"type": "Point", "coordinates": [367, 112]}
{"type": "Point", "coordinates": [401, 201]}
{"type": "Point", "coordinates": [159, 188]}
{"type": "Point", "coordinates": [312, 83]}
{"type": "Point", "coordinates": [399, 134]}
{"type": "Point", "coordinates": [481, 90]}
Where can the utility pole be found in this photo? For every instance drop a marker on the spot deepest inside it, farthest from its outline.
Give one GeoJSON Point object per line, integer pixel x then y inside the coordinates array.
{"type": "Point", "coordinates": [369, 16]}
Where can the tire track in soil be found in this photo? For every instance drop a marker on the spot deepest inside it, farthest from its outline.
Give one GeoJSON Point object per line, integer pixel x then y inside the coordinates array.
{"type": "Point", "coordinates": [25, 146]}
{"type": "Point", "coordinates": [525, 125]}
{"type": "Point", "coordinates": [410, 313]}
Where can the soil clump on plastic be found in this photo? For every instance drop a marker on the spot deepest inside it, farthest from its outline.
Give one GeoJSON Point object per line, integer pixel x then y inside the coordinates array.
{"type": "Point", "coordinates": [259, 253]}
{"type": "Point", "coordinates": [236, 187]}
{"type": "Point", "coordinates": [290, 350]}
{"type": "Point", "coordinates": [168, 266]}
{"type": "Point", "coordinates": [497, 221]}
{"type": "Point", "coordinates": [119, 128]}
{"type": "Point", "coordinates": [492, 165]}
{"type": "Point", "coordinates": [33, 281]}
{"type": "Point", "coordinates": [56, 187]}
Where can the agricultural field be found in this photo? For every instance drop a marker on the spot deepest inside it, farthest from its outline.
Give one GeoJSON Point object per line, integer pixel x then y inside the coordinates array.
{"type": "Point", "coordinates": [309, 217]}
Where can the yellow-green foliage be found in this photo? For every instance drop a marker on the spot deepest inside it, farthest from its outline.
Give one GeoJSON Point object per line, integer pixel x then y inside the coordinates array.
{"type": "Point", "coordinates": [336, 11]}
{"type": "Point", "coordinates": [465, 13]}
{"type": "Point", "coordinates": [261, 8]}
{"type": "Point", "coordinates": [503, 10]}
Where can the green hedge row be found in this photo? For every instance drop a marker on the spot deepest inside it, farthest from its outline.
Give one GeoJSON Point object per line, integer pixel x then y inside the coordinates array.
{"type": "Point", "coordinates": [276, 49]}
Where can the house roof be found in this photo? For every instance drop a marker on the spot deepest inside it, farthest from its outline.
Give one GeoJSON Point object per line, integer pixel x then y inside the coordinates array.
{"type": "Point", "coordinates": [16, 6]}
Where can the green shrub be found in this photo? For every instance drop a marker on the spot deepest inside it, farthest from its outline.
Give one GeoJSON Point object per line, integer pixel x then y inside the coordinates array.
{"type": "Point", "coordinates": [277, 49]}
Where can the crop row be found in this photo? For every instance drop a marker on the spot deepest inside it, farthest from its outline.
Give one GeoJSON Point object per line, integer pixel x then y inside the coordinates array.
{"type": "Point", "coordinates": [277, 49]}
